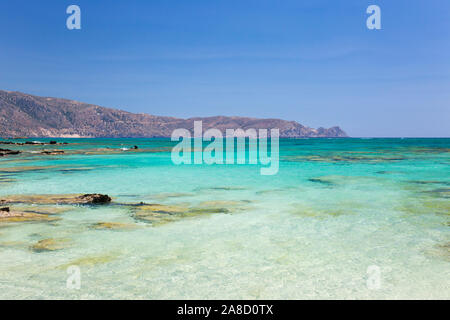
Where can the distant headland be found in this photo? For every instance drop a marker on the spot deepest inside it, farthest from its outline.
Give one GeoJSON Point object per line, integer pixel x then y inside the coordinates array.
{"type": "Point", "coordinates": [25, 115]}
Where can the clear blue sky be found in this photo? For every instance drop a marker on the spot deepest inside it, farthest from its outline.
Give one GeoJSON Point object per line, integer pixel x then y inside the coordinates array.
{"type": "Point", "coordinates": [310, 61]}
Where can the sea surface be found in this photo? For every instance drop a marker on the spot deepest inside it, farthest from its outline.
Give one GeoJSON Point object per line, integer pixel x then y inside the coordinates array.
{"type": "Point", "coordinates": [343, 218]}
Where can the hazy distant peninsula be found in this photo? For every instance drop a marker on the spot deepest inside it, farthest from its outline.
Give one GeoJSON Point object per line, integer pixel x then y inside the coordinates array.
{"type": "Point", "coordinates": [25, 115]}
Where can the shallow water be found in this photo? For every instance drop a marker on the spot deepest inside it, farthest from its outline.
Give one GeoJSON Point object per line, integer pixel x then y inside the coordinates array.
{"type": "Point", "coordinates": [336, 207]}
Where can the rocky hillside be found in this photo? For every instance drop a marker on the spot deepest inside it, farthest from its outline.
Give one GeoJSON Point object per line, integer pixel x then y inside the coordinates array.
{"type": "Point", "coordinates": [24, 115]}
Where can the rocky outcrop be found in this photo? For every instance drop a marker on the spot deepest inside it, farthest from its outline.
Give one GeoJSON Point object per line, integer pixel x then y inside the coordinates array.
{"type": "Point", "coordinates": [7, 152]}
{"type": "Point", "coordinates": [93, 198]}
{"type": "Point", "coordinates": [32, 116]}
{"type": "Point", "coordinates": [32, 143]}
{"type": "Point", "coordinates": [152, 213]}
{"type": "Point", "coordinates": [53, 152]}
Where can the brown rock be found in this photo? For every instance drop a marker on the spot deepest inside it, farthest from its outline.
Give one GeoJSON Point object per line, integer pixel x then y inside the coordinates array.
{"type": "Point", "coordinates": [95, 198]}
{"type": "Point", "coordinates": [58, 199]}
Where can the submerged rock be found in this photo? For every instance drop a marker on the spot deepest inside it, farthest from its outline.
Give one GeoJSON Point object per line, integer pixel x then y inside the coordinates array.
{"type": "Point", "coordinates": [53, 152]}
{"type": "Point", "coordinates": [221, 206]}
{"type": "Point", "coordinates": [21, 216]}
{"type": "Point", "coordinates": [389, 172]}
{"type": "Point", "coordinates": [425, 205]}
{"type": "Point", "coordinates": [75, 170]}
{"type": "Point", "coordinates": [6, 180]}
{"type": "Point", "coordinates": [91, 261]}
{"type": "Point", "coordinates": [157, 214]}
{"type": "Point", "coordinates": [441, 251]}
{"type": "Point", "coordinates": [196, 211]}
{"type": "Point", "coordinates": [440, 193]}
{"type": "Point", "coordinates": [438, 206]}
{"type": "Point", "coordinates": [323, 180]}
{"type": "Point", "coordinates": [368, 157]}
{"type": "Point", "coordinates": [426, 182]}
{"type": "Point", "coordinates": [221, 188]}
{"type": "Point", "coordinates": [13, 244]}
{"type": "Point", "coordinates": [268, 191]}
{"type": "Point", "coordinates": [49, 245]}
{"type": "Point", "coordinates": [428, 150]}
{"type": "Point", "coordinates": [220, 203]}
{"type": "Point", "coordinates": [48, 210]}
{"type": "Point", "coordinates": [170, 195]}
{"type": "Point", "coordinates": [337, 180]}
{"type": "Point", "coordinates": [161, 208]}
{"type": "Point", "coordinates": [112, 226]}
{"type": "Point", "coordinates": [305, 210]}
{"type": "Point", "coordinates": [93, 198]}
{"type": "Point", "coordinates": [25, 169]}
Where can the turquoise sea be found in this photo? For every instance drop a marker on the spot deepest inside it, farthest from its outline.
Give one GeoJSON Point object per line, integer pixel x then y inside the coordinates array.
{"type": "Point", "coordinates": [337, 210]}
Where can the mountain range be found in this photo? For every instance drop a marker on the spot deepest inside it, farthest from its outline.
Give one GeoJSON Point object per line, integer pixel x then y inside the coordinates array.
{"type": "Point", "coordinates": [25, 115]}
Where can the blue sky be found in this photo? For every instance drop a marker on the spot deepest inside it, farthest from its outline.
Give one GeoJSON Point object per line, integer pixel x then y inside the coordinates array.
{"type": "Point", "coordinates": [310, 61]}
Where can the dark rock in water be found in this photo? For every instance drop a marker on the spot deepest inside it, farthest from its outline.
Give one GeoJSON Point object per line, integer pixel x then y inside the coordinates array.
{"type": "Point", "coordinates": [441, 192]}
{"type": "Point", "coordinates": [58, 199]}
{"type": "Point", "coordinates": [322, 181]}
{"type": "Point", "coordinates": [385, 172]}
{"type": "Point", "coordinates": [95, 198]}
{"type": "Point", "coordinates": [33, 143]}
{"type": "Point", "coordinates": [429, 182]}
{"type": "Point", "coordinates": [53, 152]}
{"type": "Point", "coordinates": [6, 209]}
{"type": "Point", "coordinates": [135, 147]}
{"type": "Point", "coordinates": [5, 152]}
